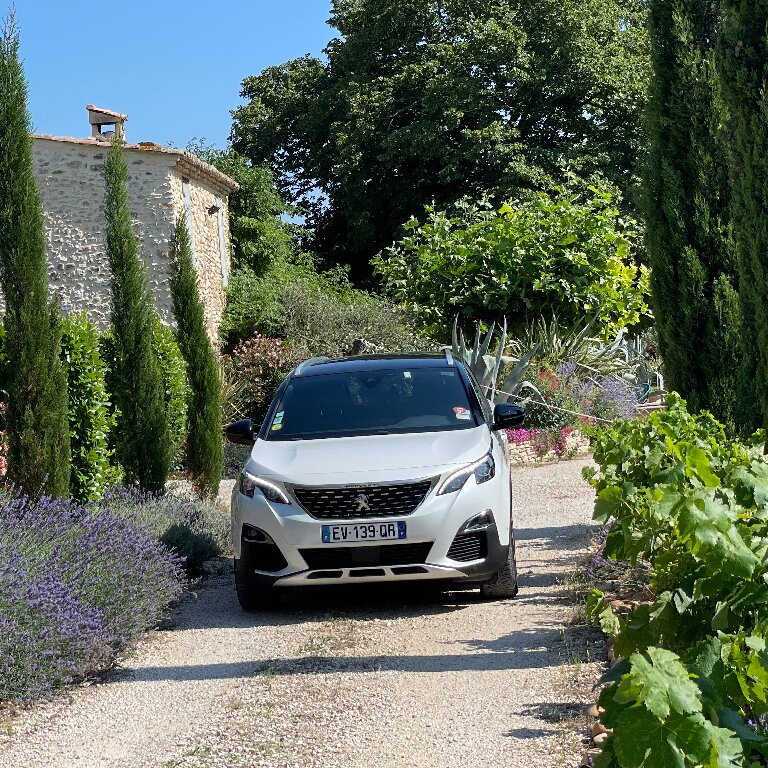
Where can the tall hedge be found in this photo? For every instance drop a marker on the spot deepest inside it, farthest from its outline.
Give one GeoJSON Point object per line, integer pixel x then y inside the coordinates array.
{"type": "Point", "coordinates": [686, 200]}
{"type": "Point", "coordinates": [743, 73]}
{"type": "Point", "coordinates": [142, 442]}
{"type": "Point", "coordinates": [37, 422]}
{"type": "Point", "coordinates": [205, 450]}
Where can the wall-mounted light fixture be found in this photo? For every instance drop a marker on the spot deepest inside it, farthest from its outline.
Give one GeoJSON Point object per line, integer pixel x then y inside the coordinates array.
{"type": "Point", "coordinates": [214, 209]}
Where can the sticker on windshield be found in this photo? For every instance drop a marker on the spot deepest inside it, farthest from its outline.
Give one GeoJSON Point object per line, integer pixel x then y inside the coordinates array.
{"type": "Point", "coordinates": [279, 417]}
{"type": "Point", "coordinates": [462, 413]}
{"type": "Point", "coordinates": [276, 427]}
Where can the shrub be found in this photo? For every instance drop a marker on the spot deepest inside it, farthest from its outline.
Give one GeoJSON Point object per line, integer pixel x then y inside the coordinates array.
{"type": "Point", "coordinates": [258, 365]}
{"type": "Point", "coordinates": [690, 503]}
{"type": "Point", "coordinates": [317, 312]}
{"type": "Point", "coordinates": [205, 445]}
{"type": "Point", "coordinates": [544, 254]}
{"type": "Point", "coordinates": [191, 529]}
{"type": "Point", "coordinates": [78, 585]}
{"type": "Point", "coordinates": [568, 397]}
{"type": "Point", "coordinates": [91, 418]}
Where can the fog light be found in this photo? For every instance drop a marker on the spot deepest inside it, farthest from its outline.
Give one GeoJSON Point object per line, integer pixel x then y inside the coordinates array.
{"type": "Point", "coordinates": [479, 522]}
{"type": "Point", "coordinates": [254, 535]}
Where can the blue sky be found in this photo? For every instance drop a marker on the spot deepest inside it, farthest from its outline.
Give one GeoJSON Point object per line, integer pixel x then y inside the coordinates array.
{"type": "Point", "coordinates": [173, 67]}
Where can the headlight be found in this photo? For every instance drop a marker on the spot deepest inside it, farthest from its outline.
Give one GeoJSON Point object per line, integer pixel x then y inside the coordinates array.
{"type": "Point", "coordinates": [249, 483]}
{"type": "Point", "coordinates": [483, 470]}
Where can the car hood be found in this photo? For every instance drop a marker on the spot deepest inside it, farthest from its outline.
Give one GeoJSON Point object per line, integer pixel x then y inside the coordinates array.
{"type": "Point", "coordinates": [368, 459]}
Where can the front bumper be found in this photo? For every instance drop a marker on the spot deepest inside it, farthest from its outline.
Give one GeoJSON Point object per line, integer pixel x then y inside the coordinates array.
{"type": "Point", "coordinates": [292, 552]}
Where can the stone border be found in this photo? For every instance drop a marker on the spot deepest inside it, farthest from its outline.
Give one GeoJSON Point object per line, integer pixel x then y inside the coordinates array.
{"type": "Point", "coordinates": [522, 454]}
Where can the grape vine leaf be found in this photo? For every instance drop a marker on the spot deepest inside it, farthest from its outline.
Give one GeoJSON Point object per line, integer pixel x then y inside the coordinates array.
{"type": "Point", "coordinates": [661, 683]}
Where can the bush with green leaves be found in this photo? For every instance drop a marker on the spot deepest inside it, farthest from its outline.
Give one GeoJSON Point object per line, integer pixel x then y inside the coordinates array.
{"type": "Point", "coordinates": [173, 375]}
{"type": "Point", "coordinates": [540, 255]}
{"type": "Point", "coordinates": [258, 365]}
{"type": "Point", "coordinates": [692, 504]}
{"type": "Point", "coordinates": [318, 312]}
{"type": "Point", "coordinates": [91, 417]}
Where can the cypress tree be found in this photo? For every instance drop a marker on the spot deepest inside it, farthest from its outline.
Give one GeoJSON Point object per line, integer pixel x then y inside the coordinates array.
{"type": "Point", "coordinates": [743, 76]}
{"type": "Point", "coordinates": [142, 442]}
{"type": "Point", "coordinates": [205, 452]}
{"type": "Point", "coordinates": [686, 200]}
{"type": "Point", "coordinates": [37, 420]}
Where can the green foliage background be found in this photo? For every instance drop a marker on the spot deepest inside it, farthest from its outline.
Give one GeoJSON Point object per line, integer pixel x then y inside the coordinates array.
{"type": "Point", "coordinates": [538, 256]}
{"type": "Point", "coordinates": [423, 101]}
{"type": "Point", "coordinates": [91, 418]}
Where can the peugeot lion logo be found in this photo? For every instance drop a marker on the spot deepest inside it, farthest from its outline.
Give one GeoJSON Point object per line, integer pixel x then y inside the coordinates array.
{"type": "Point", "coordinates": [363, 503]}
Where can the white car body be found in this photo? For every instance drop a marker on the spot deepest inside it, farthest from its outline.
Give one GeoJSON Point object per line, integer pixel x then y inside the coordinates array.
{"type": "Point", "coordinates": [313, 475]}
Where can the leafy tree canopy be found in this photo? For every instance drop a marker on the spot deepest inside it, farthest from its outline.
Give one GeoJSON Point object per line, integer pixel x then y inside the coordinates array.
{"type": "Point", "coordinates": [258, 232]}
{"type": "Point", "coordinates": [424, 100]}
{"type": "Point", "coordinates": [544, 254]}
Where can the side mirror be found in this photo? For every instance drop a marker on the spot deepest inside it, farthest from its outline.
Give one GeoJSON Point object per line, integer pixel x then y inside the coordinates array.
{"type": "Point", "coordinates": [507, 416]}
{"type": "Point", "coordinates": [241, 432]}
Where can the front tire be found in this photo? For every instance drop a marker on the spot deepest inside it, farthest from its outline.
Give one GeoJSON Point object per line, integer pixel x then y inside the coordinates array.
{"type": "Point", "coordinates": [504, 581]}
{"type": "Point", "coordinates": [251, 597]}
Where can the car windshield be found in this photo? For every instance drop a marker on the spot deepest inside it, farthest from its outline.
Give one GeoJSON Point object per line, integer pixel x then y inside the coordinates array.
{"type": "Point", "coordinates": [371, 403]}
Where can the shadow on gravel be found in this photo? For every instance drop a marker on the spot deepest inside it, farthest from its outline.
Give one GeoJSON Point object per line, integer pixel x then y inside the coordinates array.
{"type": "Point", "coordinates": [565, 537]}
{"type": "Point", "coordinates": [524, 649]}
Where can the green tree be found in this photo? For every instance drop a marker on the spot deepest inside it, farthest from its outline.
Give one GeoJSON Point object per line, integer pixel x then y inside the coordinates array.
{"type": "Point", "coordinates": [205, 449]}
{"type": "Point", "coordinates": [742, 64]}
{"type": "Point", "coordinates": [142, 442]}
{"type": "Point", "coordinates": [546, 254]}
{"type": "Point", "coordinates": [258, 232]}
{"type": "Point", "coordinates": [37, 421]}
{"type": "Point", "coordinates": [425, 100]}
{"type": "Point", "coordinates": [694, 273]}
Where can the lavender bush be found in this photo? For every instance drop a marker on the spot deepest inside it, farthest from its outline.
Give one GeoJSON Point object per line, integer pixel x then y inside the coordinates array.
{"type": "Point", "coordinates": [192, 530]}
{"type": "Point", "coordinates": [78, 584]}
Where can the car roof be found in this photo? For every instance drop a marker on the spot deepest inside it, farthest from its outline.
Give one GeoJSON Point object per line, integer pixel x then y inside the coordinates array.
{"type": "Point", "coordinates": [320, 366]}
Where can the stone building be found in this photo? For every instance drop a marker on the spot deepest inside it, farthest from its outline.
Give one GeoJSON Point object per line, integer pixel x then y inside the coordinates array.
{"type": "Point", "coordinates": [163, 184]}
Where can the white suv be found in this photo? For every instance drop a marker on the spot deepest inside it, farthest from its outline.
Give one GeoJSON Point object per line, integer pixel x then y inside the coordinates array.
{"type": "Point", "coordinates": [371, 469]}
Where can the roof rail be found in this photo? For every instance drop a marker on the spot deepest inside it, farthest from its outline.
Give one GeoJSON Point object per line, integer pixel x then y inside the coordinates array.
{"type": "Point", "coordinates": [300, 368]}
{"type": "Point", "coordinates": [448, 356]}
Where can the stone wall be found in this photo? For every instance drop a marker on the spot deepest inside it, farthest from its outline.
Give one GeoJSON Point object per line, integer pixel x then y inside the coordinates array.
{"type": "Point", "coordinates": [525, 452]}
{"type": "Point", "coordinates": [212, 275]}
{"type": "Point", "coordinates": [71, 181]}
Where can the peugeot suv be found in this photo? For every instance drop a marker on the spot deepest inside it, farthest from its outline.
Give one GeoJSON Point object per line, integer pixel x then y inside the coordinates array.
{"type": "Point", "coordinates": [375, 469]}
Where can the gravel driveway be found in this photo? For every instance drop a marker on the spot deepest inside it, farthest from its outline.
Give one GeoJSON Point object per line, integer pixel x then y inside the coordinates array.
{"type": "Point", "coordinates": [353, 678]}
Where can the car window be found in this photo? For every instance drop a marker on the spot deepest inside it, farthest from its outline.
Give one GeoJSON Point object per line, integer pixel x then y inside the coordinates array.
{"type": "Point", "coordinates": [372, 402]}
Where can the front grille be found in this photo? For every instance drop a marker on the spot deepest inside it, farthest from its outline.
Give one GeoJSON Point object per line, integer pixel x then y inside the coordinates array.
{"type": "Point", "coordinates": [349, 501]}
{"type": "Point", "coordinates": [366, 557]}
{"type": "Point", "coordinates": [469, 546]}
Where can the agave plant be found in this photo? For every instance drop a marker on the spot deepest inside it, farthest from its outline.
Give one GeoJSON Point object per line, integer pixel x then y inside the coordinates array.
{"type": "Point", "coordinates": [487, 367]}
{"type": "Point", "coordinates": [556, 345]}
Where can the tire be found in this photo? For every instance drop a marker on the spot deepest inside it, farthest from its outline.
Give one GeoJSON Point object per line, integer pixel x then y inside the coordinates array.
{"type": "Point", "coordinates": [251, 597]}
{"type": "Point", "coordinates": [504, 581]}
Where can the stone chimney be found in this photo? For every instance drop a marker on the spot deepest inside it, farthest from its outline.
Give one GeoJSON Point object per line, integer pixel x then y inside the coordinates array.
{"type": "Point", "coordinates": [105, 118]}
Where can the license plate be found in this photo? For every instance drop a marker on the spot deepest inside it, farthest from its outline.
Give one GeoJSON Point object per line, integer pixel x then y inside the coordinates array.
{"type": "Point", "coordinates": [338, 534]}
